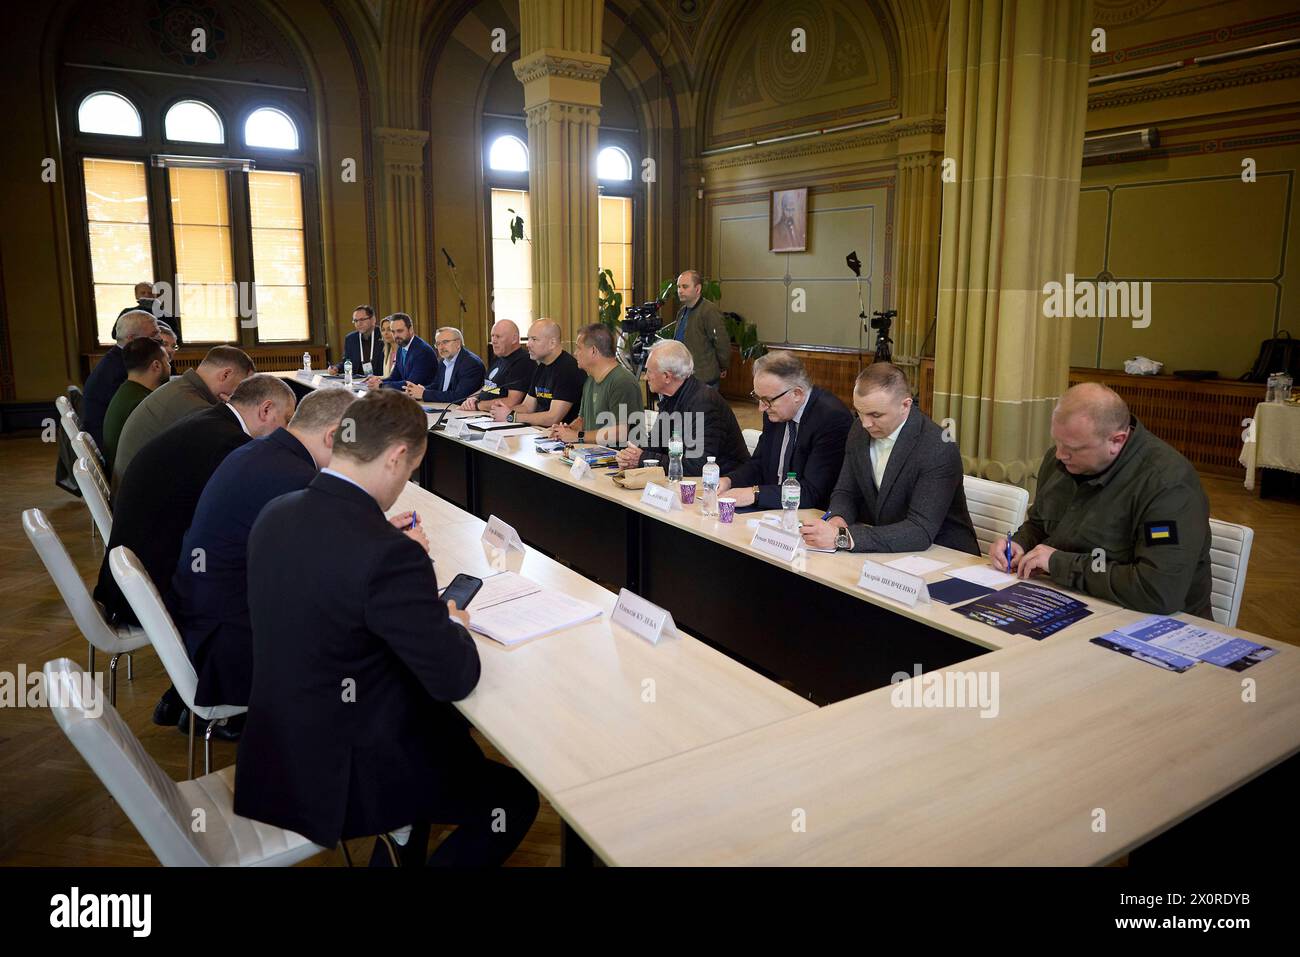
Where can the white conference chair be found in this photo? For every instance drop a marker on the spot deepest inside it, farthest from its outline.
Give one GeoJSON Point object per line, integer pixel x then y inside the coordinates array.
{"type": "Point", "coordinates": [1229, 555]}
{"type": "Point", "coordinates": [996, 509]}
{"type": "Point", "coordinates": [84, 444]}
{"type": "Point", "coordinates": [95, 494]}
{"type": "Point", "coordinates": [86, 612]}
{"type": "Point", "coordinates": [158, 625]}
{"type": "Point", "coordinates": [751, 438]}
{"type": "Point", "coordinates": [68, 417]}
{"type": "Point", "coordinates": [163, 811]}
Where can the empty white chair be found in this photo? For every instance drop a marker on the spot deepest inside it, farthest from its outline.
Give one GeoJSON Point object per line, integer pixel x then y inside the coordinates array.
{"type": "Point", "coordinates": [67, 417]}
{"type": "Point", "coordinates": [86, 612]}
{"type": "Point", "coordinates": [1229, 555]}
{"type": "Point", "coordinates": [751, 438]}
{"type": "Point", "coordinates": [162, 810]}
{"type": "Point", "coordinates": [95, 495]}
{"type": "Point", "coordinates": [996, 509]}
{"type": "Point", "coordinates": [158, 625]}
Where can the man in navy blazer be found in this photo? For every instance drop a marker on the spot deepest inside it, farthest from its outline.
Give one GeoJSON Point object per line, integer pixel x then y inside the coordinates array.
{"type": "Point", "coordinates": [416, 360]}
{"type": "Point", "coordinates": [459, 374]}
{"type": "Point", "coordinates": [901, 488]}
{"type": "Point", "coordinates": [209, 598]}
{"type": "Point", "coordinates": [351, 730]}
{"type": "Point", "coordinates": [364, 345]}
{"type": "Point", "coordinates": [804, 429]}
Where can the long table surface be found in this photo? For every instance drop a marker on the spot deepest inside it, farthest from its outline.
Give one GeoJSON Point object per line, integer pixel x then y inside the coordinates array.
{"type": "Point", "coordinates": [1079, 730]}
{"type": "Point", "coordinates": [592, 700]}
{"type": "Point", "coordinates": [840, 571]}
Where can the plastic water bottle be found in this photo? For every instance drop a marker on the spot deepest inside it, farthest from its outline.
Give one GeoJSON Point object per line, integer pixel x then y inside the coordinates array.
{"type": "Point", "coordinates": [675, 450]}
{"type": "Point", "coordinates": [790, 503]}
{"type": "Point", "coordinates": [347, 374]}
{"type": "Point", "coordinates": [306, 362]}
{"type": "Point", "coordinates": [709, 493]}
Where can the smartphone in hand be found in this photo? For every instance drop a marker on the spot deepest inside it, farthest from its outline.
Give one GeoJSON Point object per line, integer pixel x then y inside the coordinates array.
{"type": "Point", "coordinates": [462, 590]}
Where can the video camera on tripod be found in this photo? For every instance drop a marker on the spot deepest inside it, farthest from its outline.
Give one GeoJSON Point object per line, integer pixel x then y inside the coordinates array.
{"type": "Point", "coordinates": [881, 319]}
{"type": "Point", "coordinates": [643, 322]}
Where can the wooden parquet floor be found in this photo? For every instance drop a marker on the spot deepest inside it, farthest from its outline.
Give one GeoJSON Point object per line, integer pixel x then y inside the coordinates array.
{"type": "Point", "coordinates": [53, 810]}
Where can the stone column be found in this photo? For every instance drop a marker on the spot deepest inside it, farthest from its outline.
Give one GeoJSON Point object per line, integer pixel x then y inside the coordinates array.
{"type": "Point", "coordinates": [920, 155]}
{"type": "Point", "coordinates": [561, 68]}
{"type": "Point", "coordinates": [400, 161]}
{"type": "Point", "coordinates": [1017, 96]}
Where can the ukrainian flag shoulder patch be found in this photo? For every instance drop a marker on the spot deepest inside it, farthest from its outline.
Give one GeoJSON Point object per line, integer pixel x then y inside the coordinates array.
{"type": "Point", "coordinates": [1161, 533]}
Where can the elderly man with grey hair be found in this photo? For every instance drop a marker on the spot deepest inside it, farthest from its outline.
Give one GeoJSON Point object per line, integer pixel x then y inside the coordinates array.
{"type": "Point", "coordinates": [804, 431]}
{"type": "Point", "coordinates": [110, 372]}
{"type": "Point", "coordinates": [459, 372]}
{"type": "Point", "coordinates": [700, 416]}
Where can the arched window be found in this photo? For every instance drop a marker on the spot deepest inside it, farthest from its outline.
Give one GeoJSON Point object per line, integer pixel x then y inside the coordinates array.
{"type": "Point", "coordinates": [613, 163]}
{"type": "Point", "coordinates": [191, 121]}
{"type": "Point", "coordinates": [109, 113]}
{"type": "Point", "coordinates": [270, 128]}
{"type": "Point", "coordinates": [508, 154]}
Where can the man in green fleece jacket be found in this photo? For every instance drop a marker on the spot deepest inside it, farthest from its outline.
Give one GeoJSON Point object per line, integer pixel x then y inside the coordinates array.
{"type": "Point", "coordinates": [1119, 514]}
{"type": "Point", "coordinates": [147, 367]}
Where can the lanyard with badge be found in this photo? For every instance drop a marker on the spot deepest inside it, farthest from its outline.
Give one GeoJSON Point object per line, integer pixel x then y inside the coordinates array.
{"type": "Point", "coordinates": [368, 365]}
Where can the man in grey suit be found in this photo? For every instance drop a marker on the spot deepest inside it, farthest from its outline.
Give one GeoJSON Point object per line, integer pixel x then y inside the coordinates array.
{"type": "Point", "coordinates": [900, 489]}
{"type": "Point", "coordinates": [215, 379]}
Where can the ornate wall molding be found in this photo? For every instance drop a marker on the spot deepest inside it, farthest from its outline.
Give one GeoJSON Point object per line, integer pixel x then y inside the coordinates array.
{"type": "Point", "coordinates": [551, 111]}
{"type": "Point", "coordinates": [1199, 83]}
{"type": "Point", "coordinates": [829, 143]}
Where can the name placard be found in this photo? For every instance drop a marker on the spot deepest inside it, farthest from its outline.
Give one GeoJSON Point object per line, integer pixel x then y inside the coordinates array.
{"type": "Point", "coordinates": [495, 442]}
{"type": "Point", "coordinates": [642, 618]}
{"type": "Point", "coordinates": [501, 536]}
{"type": "Point", "coordinates": [453, 427]}
{"type": "Point", "coordinates": [891, 583]}
{"type": "Point", "coordinates": [776, 541]}
{"type": "Point", "coordinates": [579, 469]}
{"type": "Point", "coordinates": [316, 381]}
{"type": "Point", "coordinates": [656, 496]}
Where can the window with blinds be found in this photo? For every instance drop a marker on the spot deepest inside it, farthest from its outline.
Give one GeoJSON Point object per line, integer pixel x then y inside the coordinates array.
{"type": "Point", "coordinates": [279, 256]}
{"type": "Point", "coordinates": [200, 215]}
{"type": "Point", "coordinates": [117, 219]}
{"type": "Point", "coordinates": [512, 263]}
{"type": "Point", "coordinates": [616, 243]}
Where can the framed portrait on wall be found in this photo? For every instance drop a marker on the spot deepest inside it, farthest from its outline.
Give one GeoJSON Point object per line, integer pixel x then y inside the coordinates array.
{"type": "Point", "coordinates": [788, 220]}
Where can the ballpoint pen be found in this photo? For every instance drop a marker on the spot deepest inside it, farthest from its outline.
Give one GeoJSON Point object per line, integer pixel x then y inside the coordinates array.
{"type": "Point", "coordinates": [1009, 534]}
{"type": "Point", "coordinates": [415, 518]}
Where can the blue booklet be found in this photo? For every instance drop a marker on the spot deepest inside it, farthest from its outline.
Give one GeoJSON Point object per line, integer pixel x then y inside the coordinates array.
{"type": "Point", "coordinates": [950, 591]}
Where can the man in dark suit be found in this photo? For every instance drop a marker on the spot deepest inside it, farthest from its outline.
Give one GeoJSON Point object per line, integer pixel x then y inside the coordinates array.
{"type": "Point", "coordinates": [350, 726]}
{"type": "Point", "coordinates": [900, 488]}
{"type": "Point", "coordinates": [690, 409]}
{"type": "Point", "coordinates": [364, 345]}
{"type": "Point", "coordinates": [156, 500]}
{"type": "Point", "coordinates": [110, 372]}
{"type": "Point", "coordinates": [804, 429]}
{"type": "Point", "coordinates": [209, 598]}
{"type": "Point", "coordinates": [459, 372]}
{"type": "Point", "coordinates": [416, 360]}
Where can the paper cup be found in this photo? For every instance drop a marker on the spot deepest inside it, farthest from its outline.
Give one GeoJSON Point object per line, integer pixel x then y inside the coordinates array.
{"type": "Point", "coordinates": [687, 489]}
{"type": "Point", "coordinates": [649, 463]}
{"type": "Point", "coordinates": [726, 510]}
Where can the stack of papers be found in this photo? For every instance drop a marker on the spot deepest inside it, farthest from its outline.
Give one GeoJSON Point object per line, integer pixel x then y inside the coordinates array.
{"type": "Point", "coordinates": [510, 608]}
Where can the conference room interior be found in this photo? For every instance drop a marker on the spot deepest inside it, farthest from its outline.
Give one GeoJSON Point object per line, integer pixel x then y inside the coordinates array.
{"type": "Point", "coordinates": [970, 185]}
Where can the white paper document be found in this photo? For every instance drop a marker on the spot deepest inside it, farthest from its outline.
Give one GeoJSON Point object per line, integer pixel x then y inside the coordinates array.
{"type": "Point", "coordinates": [916, 565]}
{"type": "Point", "coordinates": [529, 616]}
{"type": "Point", "coordinates": [983, 575]}
{"type": "Point", "coordinates": [503, 586]}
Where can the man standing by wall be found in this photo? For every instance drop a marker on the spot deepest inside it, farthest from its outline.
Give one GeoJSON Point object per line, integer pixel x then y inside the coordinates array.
{"type": "Point", "coordinates": [701, 328]}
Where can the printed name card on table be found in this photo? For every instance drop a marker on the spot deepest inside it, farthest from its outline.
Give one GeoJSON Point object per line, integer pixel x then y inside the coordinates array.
{"type": "Point", "coordinates": [891, 583]}
{"type": "Point", "coordinates": [501, 536]}
{"type": "Point", "coordinates": [776, 541]}
{"type": "Point", "coordinates": [453, 427]}
{"type": "Point", "coordinates": [656, 496]}
{"type": "Point", "coordinates": [316, 381]}
{"type": "Point", "coordinates": [495, 442]}
{"type": "Point", "coordinates": [579, 470]}
{"type": "Point", "coordinates": [642, 618]}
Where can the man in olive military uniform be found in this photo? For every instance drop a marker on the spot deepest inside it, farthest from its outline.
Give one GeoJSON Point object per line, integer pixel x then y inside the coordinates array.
{"type": "Point", "coordinates": [1118, 515]}
{"type": "Point", "coordinates": [701, 328]}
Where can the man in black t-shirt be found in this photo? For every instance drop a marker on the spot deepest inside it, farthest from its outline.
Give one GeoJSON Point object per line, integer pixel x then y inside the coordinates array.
{"type": "Point", "coordinates": [555, 393]}
{"type": "Point", "coordinates": [508, 374]}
